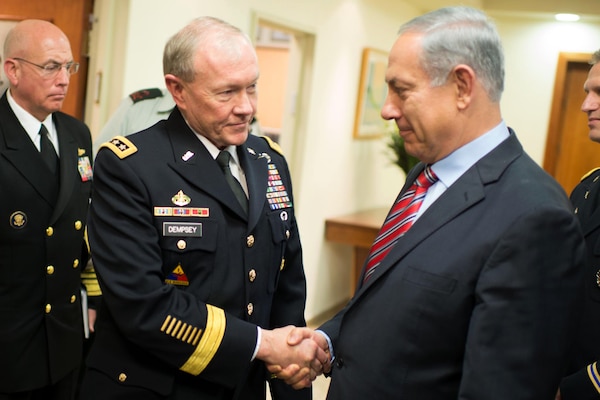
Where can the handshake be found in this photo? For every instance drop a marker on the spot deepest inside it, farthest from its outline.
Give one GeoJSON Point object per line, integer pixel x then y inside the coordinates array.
{"type": "Point", "coordinates": [295, 355]}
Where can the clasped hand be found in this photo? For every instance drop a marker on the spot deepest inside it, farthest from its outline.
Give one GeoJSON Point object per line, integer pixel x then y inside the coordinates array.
{"type": "Point", "coordinates": [295, 355]}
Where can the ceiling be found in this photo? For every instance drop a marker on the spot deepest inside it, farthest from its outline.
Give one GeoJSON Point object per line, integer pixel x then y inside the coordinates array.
{"type": "Point", "coordinates": [589, 8]}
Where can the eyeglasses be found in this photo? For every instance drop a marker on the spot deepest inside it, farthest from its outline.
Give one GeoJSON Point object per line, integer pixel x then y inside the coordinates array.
{"type": "Point", "coordinates": [52, 69]}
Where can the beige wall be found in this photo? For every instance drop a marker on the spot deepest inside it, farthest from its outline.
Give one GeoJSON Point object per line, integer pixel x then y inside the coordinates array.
{"type": "Point", "coordinates": [340, 175]}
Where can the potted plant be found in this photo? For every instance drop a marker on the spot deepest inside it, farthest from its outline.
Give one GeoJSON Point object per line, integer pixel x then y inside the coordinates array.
{"type": "Point", "coordinates": [399, 155]}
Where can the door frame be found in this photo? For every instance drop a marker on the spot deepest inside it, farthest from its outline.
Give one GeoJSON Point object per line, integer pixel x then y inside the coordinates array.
{"type": "Point", "coordinates": [556, 114]}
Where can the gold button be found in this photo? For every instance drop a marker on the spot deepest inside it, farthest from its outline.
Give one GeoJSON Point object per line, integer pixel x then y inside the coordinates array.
{"type": "Point", "coordinates": [73, 298]}
{"type": "Point", "coordinates": [252, 275]}
{"type": "Point", "coordinates": [50, 269]}
{"type": "Point", "coordinates": [122, 377]}
{"type": "Point", "coordinates": [76, 263]}
{"type": "Point", "coordinates": [78, 225]}
{"type": "Point", "coordinates": [282, 265]}
{"type": "Point", "coordinates": [287, 234]}
{"type": "Point", "coordinates": [598, 278]}
{"type": "Point", "coordinates": [250, 241]}
{"type": "Point", "coordinates": [48, 308]}
{"type": "Point", "coordinates": [250, 308]}
{"type": "Point", "coordinates": [181, 245]}
{"type": "Point", "coordinates": [49, 231]}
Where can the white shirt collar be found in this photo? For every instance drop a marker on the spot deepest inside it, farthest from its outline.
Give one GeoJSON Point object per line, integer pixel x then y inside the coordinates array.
{"type": "Point", "coordinates": [31, 124]}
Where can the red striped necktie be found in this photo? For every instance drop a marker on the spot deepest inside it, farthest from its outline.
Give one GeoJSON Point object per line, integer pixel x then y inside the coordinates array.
{"type": "Point", "coordinates": [399, 220]}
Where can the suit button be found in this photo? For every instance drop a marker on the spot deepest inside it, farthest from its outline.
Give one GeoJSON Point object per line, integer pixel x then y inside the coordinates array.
{"type": "Point", "coordinates": [252, 275]}
{"type": "Point", "coordinates": [598, 278]}
{"type": "Point", "coordinates": [181, 245]}
{"type": "Point", "coordinates": [339, 362]}
{"type": "Point", "coordinates": [73, 298]}
{"type": "Point", "coordinates": [49, 231]}
{"type": "Point", "coordinates": [78, 225]}
{"type": "Point", "coordinates": [75, 263]}
{"type": "Point", "coordinates": [49, 269]}
{"type": "Point", "coordinates": [48, 308]}
{"type": "Point", "coordinates": [250, 241]}
{"type": "Point", "coordinates": [287, 234]}
{"type": "Point", "coordinates": [122, 377]}
{"type": "Point", "coordinates": [250, 308]}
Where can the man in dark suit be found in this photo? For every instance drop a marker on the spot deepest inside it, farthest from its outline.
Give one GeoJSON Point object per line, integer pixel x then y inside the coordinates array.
{"type": "Point", "coordinates": [583, 381]}
{"type": "Point", "coordinates": [477, 299]}
{"type": "Point", "coordinates": [45, 189]}
{"type": "Point", "coordinates": [193, 275]}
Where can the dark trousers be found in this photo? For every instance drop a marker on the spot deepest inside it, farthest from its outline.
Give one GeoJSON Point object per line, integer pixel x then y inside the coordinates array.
{"type": "Point", "coordinates": [63, 390]}
{"type": "Point", "coordinates": [99, 386]}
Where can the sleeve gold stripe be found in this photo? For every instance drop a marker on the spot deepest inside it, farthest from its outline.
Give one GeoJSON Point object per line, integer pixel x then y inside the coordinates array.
{"type": "Point", "coordinates": [176, 330]}
{"type": "Point", "coordinates": [196, 337]}
{"type": "Point", "coordinates": [164, 325]}
{"type": "Point", "coordinates": [210, 342]}
{"type": "Point", "coordinates": [180, 333]}
{"type": "Point", "coordinates": [592, 371]}
{"type": "Point", "coordinates": [187, 332]}
{"type": "Point", "coordinates": [170, 328]}
{"type": "Point", "coordinates": [90, 281]}
{"type": "Point", "coordinates": [87, 241]}
{"type": "Point", "coordinates": [192, 335]}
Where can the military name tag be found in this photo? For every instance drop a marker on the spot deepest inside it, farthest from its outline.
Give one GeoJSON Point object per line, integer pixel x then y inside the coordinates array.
{"type": "Point", "coordinates": [182, 229]}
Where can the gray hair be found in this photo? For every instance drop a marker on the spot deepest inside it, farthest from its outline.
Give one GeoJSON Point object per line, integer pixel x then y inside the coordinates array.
{"type": "Point", "coordinates": [178, 56]}
{"type": "Point", "coordinates": [460, 35]}
{"type": "Point", "coordinates": [595, 58]}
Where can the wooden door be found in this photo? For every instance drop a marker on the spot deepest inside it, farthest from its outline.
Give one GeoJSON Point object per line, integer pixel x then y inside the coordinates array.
{"type": "Point", "coordinates": [569, 151]}
{"type": "Point", "coordinates": [73, 17]}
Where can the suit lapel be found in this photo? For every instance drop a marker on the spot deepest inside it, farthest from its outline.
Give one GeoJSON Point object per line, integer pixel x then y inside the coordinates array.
{"type": "Point", "coordinates": [24, 156]}
{"type": "Point", "coordinates": [467, 191]}
{"type": "Point", "coordinates": [193, 162]}
{"type": "Point", "coordinates": [68, 161]}
{"type": "Point", "coordinates": [256, 172]}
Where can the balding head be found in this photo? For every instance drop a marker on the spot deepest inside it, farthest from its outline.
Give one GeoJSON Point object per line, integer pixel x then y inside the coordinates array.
{"type": "Point", "coordinates": [38, 62]}
{"type": "Point", "coordinates": [30, 35]}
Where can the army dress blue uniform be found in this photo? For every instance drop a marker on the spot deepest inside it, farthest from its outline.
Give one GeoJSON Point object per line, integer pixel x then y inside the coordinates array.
{"type": "Point", "coordinates": [42, 253]}
{"type": "Point", "coordinates": [186, 276]}
{"type": "Point", "coordinates": [583, 383]}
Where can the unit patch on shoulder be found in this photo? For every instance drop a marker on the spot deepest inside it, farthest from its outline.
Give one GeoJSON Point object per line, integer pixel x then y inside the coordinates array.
{"type": "Point", "coordinates": [145, 94]}
{"type": "Point", "coordinates": [121, 146]}
{"type": "Point", "coordinates": [177, 277]}
{"type": "Point", "coordinates": [273, 145]}
{"type": "Point", "coordinates": [589, 173]}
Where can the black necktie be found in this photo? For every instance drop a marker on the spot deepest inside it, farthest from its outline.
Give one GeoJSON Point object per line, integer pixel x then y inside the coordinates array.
{"type": "Point", "coordinates": [47, 150]}
{"type": "Point", "coordinates": [223, 160]}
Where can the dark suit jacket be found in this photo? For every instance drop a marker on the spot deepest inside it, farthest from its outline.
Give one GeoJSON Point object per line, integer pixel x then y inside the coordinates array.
{"type": "Point", "coordinates": [578, 385]}
{"type": "Point", "coordinates": [41, 254]}
{"type": "Point", "coordinates": [185, 275]}
{"type": "Point", "coordinates": [476, 301]}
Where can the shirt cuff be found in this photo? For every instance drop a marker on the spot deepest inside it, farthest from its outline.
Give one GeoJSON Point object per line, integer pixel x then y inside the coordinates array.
{"type": "Point", "coordinates": [258, 337]}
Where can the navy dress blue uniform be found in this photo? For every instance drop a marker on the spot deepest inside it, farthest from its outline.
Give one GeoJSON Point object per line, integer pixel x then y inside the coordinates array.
{"type": "Point", "coordinates": [186, 275]}
{"type": "Point", "coordinates": [583, 383]}
{"type": "Point", "coordinates": [42, 252]}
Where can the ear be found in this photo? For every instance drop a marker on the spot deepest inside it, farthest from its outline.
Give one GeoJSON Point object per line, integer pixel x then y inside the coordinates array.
{"type": "Point", "coordinates": [176, 88]}
{"type": "Point", "coordinates": [464, 79]}
{"type": "Point", "coordinates": [11, 71]}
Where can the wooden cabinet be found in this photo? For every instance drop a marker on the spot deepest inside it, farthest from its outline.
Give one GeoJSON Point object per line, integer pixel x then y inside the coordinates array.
{"type": "Point", "coordinates": [359, 231]}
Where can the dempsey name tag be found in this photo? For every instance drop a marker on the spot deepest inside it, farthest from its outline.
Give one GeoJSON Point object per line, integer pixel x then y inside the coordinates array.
{"type": "Point", "coordinates": [182, 229]}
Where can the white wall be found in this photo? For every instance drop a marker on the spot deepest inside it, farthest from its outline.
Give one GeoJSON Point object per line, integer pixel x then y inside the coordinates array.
{"type": "Point", "coordinates": [531, 50]}
{"type": "Point", "coordinates": [341, 175]}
